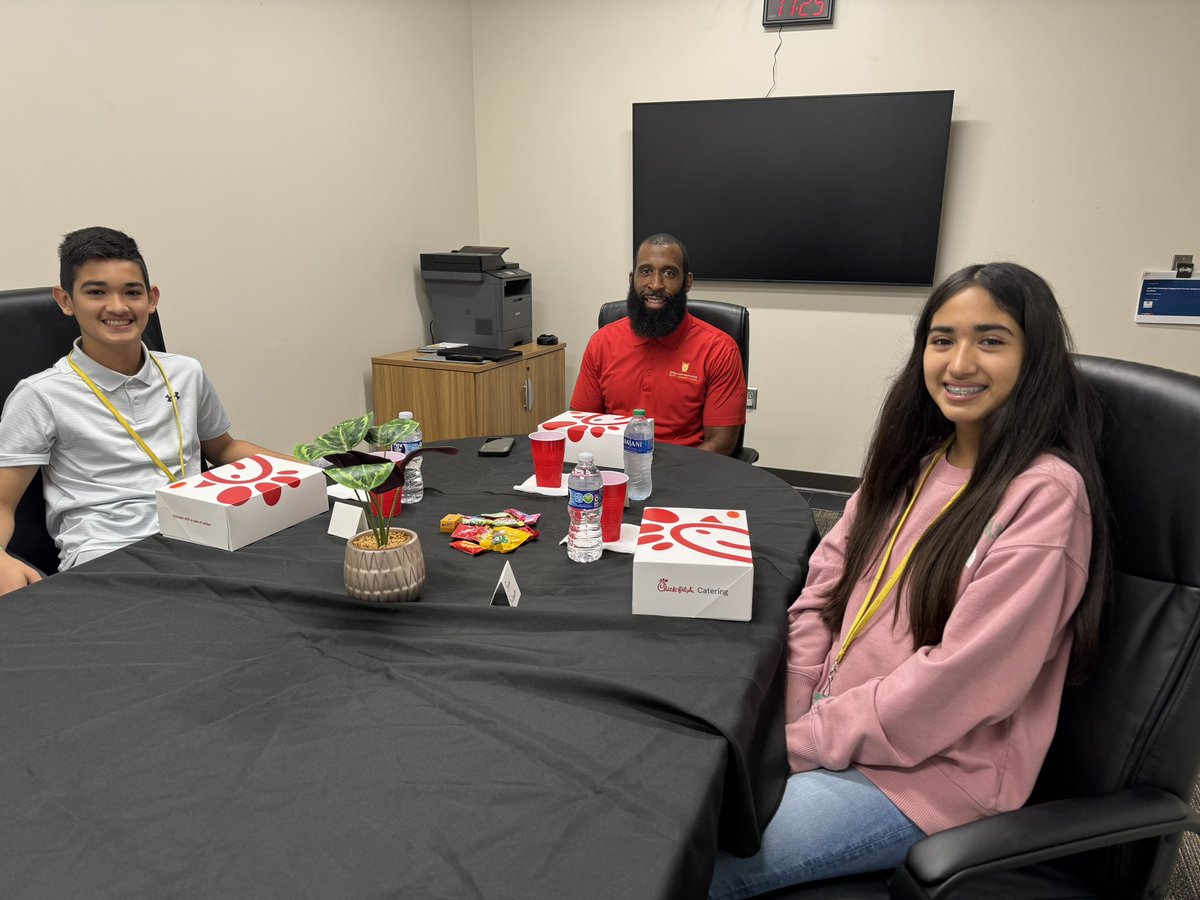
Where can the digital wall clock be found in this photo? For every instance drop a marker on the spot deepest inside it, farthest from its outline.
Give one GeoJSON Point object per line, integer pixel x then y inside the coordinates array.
{"type": "Point", "coordinates": [797, 12]}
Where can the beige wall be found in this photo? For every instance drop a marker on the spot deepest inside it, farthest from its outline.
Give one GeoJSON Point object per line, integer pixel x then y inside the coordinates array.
{"type": "Point", "coordinates": [282, 163]}
{"type": "Point", "coordinates": [1073, 132]}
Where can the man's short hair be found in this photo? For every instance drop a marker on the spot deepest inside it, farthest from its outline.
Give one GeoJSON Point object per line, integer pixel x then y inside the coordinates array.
{"type": "Point", "coordinates": [87, 244]}
{"type": "Point", "coordinates": [662, 239]}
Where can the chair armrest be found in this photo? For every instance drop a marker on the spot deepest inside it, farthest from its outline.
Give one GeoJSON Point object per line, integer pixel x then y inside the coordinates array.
{"type": "Point", "coordinates": [747, 455]}
{"type": "Point", "coordinates": [943, 862]}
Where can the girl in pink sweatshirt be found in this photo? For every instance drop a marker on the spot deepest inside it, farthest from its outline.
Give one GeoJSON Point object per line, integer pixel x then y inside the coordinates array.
{"type": "Point", "coordinates": [960, 590]}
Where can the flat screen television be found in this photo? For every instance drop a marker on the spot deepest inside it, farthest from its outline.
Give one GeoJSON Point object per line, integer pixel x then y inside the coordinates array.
{"type": "Point", "coordinates": [844, 188]}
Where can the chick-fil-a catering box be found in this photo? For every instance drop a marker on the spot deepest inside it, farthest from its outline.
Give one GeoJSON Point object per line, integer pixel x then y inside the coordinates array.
{"type": "Point", "coordinates": [694, 563]}
{"type": "Point", "coordinates": [601, 434]}
{"type": "Point", "coordinates": [239, 503]}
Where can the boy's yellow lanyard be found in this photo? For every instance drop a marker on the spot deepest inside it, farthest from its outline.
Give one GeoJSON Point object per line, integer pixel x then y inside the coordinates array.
{"type": "Point", "coordinates": [133, 434]}
{"type": "Point", "coordinates": [873, 601]}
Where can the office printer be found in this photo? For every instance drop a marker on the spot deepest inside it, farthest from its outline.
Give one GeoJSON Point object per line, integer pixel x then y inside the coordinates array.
{"type": "Point", "coordinates": [478, 298]}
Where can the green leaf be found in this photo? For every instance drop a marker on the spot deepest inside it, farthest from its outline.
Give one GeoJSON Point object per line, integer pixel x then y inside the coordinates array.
{"type": "Point", "coordinates": [364, 477]}
{"type": "Point", "coordinates": [392, 432]}
{"type": "Point", "coordinates": [307, 452]}
{"type": "Point", "coordinates": [344, 435]}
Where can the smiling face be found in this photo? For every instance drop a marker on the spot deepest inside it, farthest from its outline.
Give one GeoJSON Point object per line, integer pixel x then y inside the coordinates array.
{"type": "Point", "coordinates": [112, 305]}
{"type": "Point", "coordinates": [972, 360]}
{"type": "Point", "coordinates": [658, 290]}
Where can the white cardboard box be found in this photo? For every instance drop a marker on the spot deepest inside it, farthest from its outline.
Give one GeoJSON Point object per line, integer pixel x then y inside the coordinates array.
{"type": "Point", "coordinates": [694, 563]}
{"type": "Point", "coordinates": [600, 433]}
{"type": "Point", "coordinates": [235, 504]}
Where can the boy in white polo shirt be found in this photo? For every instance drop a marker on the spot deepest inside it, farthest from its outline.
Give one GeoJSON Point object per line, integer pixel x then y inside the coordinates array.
{"type": "Point", "coordinates": [109, 422]}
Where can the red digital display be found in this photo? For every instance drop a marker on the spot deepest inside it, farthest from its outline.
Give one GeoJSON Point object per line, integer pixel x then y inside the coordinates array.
{"type": "Point", "coordinates": [797, 12]}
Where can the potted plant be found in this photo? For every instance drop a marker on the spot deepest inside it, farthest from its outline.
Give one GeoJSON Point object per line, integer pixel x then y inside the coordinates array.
{"type": "Point", "coordinates": [385, 562]}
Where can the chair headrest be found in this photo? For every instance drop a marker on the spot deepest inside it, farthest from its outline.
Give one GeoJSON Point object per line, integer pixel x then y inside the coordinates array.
{"type": "Point", "coordinates": [1148, 451]}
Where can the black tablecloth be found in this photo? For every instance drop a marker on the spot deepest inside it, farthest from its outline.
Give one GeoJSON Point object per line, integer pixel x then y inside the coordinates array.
{"type": "Point", "coordinates": [177, 720]}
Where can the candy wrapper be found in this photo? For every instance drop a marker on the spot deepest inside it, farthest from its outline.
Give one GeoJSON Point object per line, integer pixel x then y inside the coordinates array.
{"type": "Point", "coordinates": [501, 532]}
{"type": "Point", "coordinates": [470, 532]}
{"type": "Point", "coordinates": [504, 540]}
{"type": "Point", "coordinates": [526, 518]}
{"type": "Point", "coordinates": [492, 521]}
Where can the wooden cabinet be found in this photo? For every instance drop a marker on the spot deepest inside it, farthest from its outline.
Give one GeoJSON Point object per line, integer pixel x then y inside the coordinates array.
{"type": "Point", "coordinates": [454, 400]}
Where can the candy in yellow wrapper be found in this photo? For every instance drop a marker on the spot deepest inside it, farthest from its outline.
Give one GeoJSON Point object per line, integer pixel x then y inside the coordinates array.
{"type": "Point", "coordinates": [450, 522]}
{"type": "Point", "coordinates": [503, 539]}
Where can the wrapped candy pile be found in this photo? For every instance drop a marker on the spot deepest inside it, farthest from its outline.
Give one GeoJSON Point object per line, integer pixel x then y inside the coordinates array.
{"type": "Point", "coordinates": [501, 532]}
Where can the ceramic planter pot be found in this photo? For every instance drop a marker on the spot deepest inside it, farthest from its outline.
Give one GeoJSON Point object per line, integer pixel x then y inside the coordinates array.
{"type": "Point", "coordinates": [391, 575]}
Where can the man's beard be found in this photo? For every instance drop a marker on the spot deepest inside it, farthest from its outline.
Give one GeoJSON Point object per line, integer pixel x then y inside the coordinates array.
{"type": "Point", "coordinates": [655, 323]}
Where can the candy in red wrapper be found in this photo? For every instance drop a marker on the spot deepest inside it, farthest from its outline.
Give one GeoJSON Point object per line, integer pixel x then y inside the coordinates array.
{"type": "Point", "coordinates": [468, 548]}
{"type": "Point", "coordinates": [470, 532]}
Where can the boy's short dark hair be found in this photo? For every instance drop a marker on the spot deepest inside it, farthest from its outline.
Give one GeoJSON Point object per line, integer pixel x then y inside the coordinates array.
{"type": "Point", "coordinates": [81, 247]}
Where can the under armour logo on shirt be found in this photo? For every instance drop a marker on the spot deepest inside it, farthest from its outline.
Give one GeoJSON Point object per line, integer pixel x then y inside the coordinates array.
{"type": "Point", "coordinates": [167, 397]}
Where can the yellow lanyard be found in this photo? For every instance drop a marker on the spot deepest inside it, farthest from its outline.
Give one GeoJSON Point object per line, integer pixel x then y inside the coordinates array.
{"type": "Point", "coordinates": [124, 424]}
{"type": "Point", "coordinates": [874, 601]}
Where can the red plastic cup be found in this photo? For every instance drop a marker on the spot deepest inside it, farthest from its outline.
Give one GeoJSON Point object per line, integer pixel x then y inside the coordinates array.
{"type": "Point", "coordinates": [613, 508]}
{"type": "Point", "coordinates": [548, 448]}
{"type": "Point", "coordinates": [387, 503]}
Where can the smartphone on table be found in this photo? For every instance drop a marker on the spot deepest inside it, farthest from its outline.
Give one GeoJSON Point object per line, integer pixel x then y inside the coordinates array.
{"type": "Point", "coordinates": [496, 446]}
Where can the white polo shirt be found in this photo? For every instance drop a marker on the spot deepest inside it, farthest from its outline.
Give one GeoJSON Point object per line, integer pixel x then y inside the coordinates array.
{"type": "Point", "coordinates": [99, 484]}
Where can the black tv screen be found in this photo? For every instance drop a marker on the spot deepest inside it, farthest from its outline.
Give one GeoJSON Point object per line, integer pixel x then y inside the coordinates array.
{"type": "Point", "coordinates": [843, 188]}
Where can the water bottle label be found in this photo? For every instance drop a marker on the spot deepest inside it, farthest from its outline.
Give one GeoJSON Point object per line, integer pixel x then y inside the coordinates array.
{"type": "Point", "coordinates": [406, 447]}
{"type": "Point", "coordinates": [584, 499]}
{"type": "Point", "coordinates": [639, 445]}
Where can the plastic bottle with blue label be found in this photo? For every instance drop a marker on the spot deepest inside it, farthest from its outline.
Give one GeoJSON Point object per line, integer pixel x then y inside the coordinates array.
{"type": "Point", "coordinates": [411, 439]}
{"type": "Point", "coordinates": [639, 455]}
{"type": "Point", "coordinates": [585, 492]}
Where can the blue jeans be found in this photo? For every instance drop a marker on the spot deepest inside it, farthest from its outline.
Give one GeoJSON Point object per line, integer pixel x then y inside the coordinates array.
{"type": "Point", "coordinates": [828, 824]}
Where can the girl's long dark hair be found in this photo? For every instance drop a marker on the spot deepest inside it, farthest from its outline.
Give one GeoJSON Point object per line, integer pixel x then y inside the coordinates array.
{"type": "Point", "coordinates": [1051, 409]}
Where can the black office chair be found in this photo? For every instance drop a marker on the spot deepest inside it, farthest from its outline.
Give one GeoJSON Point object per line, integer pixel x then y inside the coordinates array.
{"type": "Point", "coordinates": [732, 319]}
{"type": "Point", "coordinates": [33, 335]}
{"type": "Point", "coordinates": [1110, 807]}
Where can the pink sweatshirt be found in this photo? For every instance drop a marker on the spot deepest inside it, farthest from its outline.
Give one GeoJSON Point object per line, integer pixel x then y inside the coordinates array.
{"type": "Point", "coordinates": [955, 731]}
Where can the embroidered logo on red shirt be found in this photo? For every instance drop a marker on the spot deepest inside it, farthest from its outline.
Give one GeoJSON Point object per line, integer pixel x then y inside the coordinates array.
{"type": "Point", "coordinates": [684, 374]}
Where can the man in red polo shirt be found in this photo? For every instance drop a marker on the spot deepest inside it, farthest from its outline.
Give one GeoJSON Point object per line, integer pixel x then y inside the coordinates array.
{"type": "Point", "coordinates": [685, 373]}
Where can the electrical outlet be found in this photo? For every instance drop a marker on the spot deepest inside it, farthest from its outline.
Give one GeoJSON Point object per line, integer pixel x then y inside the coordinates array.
{"type": "Point", "coordinates": [751, 398]}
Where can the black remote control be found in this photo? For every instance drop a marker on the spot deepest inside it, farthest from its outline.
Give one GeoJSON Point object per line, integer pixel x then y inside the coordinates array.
{"type": "Point", "coordinates": [463, 357]}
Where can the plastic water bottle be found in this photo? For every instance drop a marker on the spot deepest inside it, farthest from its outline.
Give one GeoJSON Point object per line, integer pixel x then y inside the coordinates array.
{"type": "Point", "coordinates": [410, 440]}
{"type": "Point", "coordinates": [639, 455]}
{"type": "Point", "coordinates": [585, 489]}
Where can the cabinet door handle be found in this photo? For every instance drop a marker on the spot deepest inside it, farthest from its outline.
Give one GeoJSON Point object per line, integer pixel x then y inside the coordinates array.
{"type": "Point", "coordinates": [528, 393]}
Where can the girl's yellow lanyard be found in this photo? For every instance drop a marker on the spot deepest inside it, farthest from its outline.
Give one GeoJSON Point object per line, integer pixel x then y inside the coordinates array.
{"type": "Point", "coordinates": [874, 601]}
{"type": "Point", "coordinates": [132, 433]}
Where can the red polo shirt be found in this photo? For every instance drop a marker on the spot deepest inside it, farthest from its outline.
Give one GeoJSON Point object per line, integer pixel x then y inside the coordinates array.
{"type": "Point", "coordinates": [689, 379]}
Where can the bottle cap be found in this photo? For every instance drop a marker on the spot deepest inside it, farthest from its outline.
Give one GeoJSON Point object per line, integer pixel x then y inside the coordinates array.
{"type": "Point", "coordinates": [586, 458]}
{"type": "Point", "coordinates": [406, 414]}
{"type": "Point", "coordinates": [639, 412]}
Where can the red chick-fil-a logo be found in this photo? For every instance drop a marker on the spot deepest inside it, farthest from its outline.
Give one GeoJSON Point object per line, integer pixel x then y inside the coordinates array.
{"type": "Point", "coordinates": [663, 529]}
{"type": "Point", "coordinates": [666, 586]}
{"type": "Point", "coordinates": [579, 425]}
{"type": "Point", "coordinates": [241, 477]}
